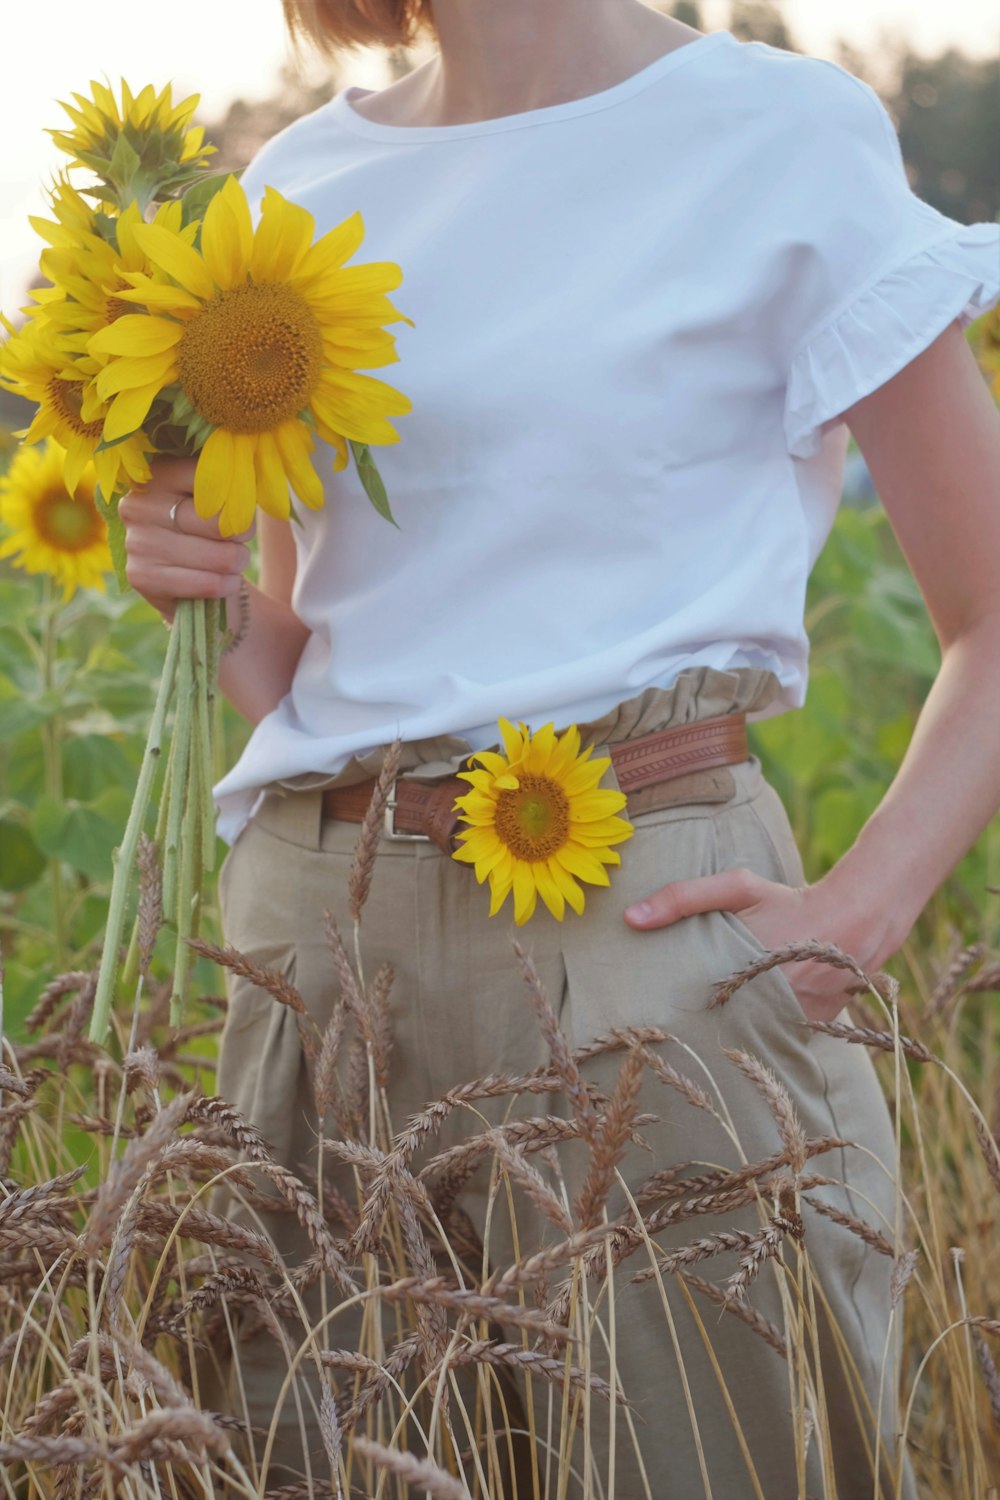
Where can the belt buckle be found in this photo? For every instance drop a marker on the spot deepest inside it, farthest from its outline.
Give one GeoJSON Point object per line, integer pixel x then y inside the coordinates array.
{"type": "Point", "coordinates": [389, 824]}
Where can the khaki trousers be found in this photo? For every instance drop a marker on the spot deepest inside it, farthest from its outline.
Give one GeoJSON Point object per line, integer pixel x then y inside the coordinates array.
{"type": "Point", "coordinates": [460, 1010]}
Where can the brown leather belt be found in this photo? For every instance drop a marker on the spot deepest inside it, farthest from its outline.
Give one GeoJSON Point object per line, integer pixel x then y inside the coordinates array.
{"type": "Point", "coordinates": [425, 810]}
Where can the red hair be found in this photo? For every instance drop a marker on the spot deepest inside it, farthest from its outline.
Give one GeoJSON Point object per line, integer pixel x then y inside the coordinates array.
{"type": "Point", "coordinates": [333, 24]}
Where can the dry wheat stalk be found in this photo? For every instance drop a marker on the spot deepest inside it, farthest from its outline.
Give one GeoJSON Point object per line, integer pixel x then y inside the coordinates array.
{"type": "Point", "coordinates": [622, 1039]}
{"type": "Point", "coordinates": [563, 1061]}
{"type": "Point", "coordinates": [128, 1171]}
{"type": "Point", "coordinates": [210, 1229]}
{"type": "Point", "coordinates": [329, 1426]}
{"type": "Point", "coordinates": [356, 1088]}
{"type": "Point", "coordinates": [325, 1086]}
{"type": "Point", "coordinates": [666, 1183]}
{"type": "Point", "coordinates": [610, 1141]}
{"type": "Point", "coordinates": [472, 1304]}
{"type": "Point", "coordinates": [885, 1041]}
{"type": "Point", "coordinates": [380, 1378]}
{"type": "Point", "coordinates": [864, 1231]}
{"type": "Point", "coordinates": [346, 977]}
{"type": "Point", "coordinates": [307, 1211]}
{"type": "Point", "coordinates": [212, 1110]}
{"type": "Point", "coordinates": [537, 1265]}
{"type": "Point", "coordinates": [703, 1249]}
{"type": "Point", "coordinates": [381, 1022]}
{"type": "Point", "coordinates": [363, 863]}
{"type": "Point", "coordinates": [238, 1283]}
{"type": "Point", "coordinates": [764, 1246]}
{"type": "Point", "coordinates": [902, 1273]}
{"type": "Point", "coordinates": [56, 990]}
{"type": "Point", "coordinates": [990, 1377]}
{"type": "Point", "coordinates": [513, 1159]}
{"type": "Point", "coordinates": [414, 1471]}
{"type": "Point", "coordinates": [986, 980]}
{"type": "Point", "coordinates": [142, 1069]}
{"type": "Point", "coordinates": [779, 1102]}
{"type": "Point", "coordinates": [950, 981]}
{"type": "Point", "coordinates": [493, 1352]}
{"type": "Point", "coordinates": [990, 1149]}
{"type": "Point", "coordinates": [42, 1198]}
{"type": "Point", "coordinates": [745, 1311]}
{"type": "Point", "coordinates": [699, 1097]}
{"type": "Point", "coordinates": [270, 980]}
{"type": "Point", "coordinates": [23, 1086]}
{"type": "Point", "coordinates": [811, 949]}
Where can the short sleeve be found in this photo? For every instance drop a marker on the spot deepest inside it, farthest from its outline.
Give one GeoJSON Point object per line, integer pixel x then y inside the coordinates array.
{"type": "Point", "coordinates": [878, 274]}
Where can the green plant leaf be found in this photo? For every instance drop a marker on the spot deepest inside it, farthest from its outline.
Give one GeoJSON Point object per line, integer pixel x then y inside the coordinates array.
{"type": "Point", "coordinates": [197, 198]}
{"type": "Point", "coordinates": [21, 860]}
{"type": "Point", "coordinates": [371, 479]}
{"type": "Point", "coordinates": [116, 536]}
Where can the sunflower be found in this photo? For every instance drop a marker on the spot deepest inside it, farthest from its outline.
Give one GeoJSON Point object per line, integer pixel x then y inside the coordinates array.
{"type": "Point", "coordinates": [151, 124]}
{"type": "Point", "coordinates": [263, 333]}
{"type": "Point", "coordinates": [53, 531]}
{"type": "Point", "coordinates": [39, 365]}
{"type": "Point", "coordinates": [538, 820]}
{"type": "Point", "coordinates": [86, 270]}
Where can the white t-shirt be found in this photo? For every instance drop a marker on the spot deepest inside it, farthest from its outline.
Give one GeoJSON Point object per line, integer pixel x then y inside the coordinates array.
{"type": "Point", "coordinates": [637, 317]}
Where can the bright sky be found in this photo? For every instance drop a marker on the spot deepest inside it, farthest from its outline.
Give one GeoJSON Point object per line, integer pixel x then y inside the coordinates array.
{"type": "Point", "coordinates": [231, 48]}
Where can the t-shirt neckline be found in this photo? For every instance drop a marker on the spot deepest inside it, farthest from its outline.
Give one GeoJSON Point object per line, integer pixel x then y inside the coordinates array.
{"type": "Point", "coordinates": [348, 117]}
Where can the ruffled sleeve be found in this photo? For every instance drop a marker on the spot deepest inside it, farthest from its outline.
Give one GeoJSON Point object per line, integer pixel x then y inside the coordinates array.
{"type": "Point", "coordinates": [882, 274]}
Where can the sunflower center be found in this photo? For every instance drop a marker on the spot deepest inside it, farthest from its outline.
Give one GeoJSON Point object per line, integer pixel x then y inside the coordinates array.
{"type": "Point", "coordinates": [66, 397]}
{"type": "Point", "coordinates": [534, 820]}
{"type": "Point", "coordinates": [115, 308]}
{"type": "Point", "coordinates": [66, 524]}
{"type": "Point", "coordinates": [251, 359]}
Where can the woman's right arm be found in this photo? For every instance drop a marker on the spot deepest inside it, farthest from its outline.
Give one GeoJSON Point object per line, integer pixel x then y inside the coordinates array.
{"type": "Point", "coordinates": [165, 565]}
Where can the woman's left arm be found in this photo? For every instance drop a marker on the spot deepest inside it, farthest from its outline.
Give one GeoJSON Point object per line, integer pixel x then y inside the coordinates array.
{"type": "Point", "coordinates": [931, 439]}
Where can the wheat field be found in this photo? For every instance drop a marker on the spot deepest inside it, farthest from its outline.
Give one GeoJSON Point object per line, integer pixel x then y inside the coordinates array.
{"type": "Point", "coordinates": [120, 1282]}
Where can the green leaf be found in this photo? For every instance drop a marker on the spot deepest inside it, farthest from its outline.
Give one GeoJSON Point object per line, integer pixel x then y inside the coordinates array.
{"type": "Point", "coordinates": [116, 534]}
{"type": "Point", "coordinates": [19, 713]}
{"type": "Point", "coordinates": [371, 479]}
{"type": "Point", "coordinates": [125, 163]}
{"type": "Point", "coordinates": [91, 764]}
{"type": "Point", "coordinates": [197, 198]}
{"type": "Point", "coordinates": [21, 860]}
{"type": "Point", "coordinates": [82, 834]}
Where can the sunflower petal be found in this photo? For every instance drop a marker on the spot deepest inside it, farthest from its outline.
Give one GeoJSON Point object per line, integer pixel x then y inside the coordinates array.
{"type": "Point", "coordinates": [137, 336]}
{"type": "Point", "coordinates": [282, 238]}
{"type": "Point", "coordinates": [170, 254]}
{"type": "Point", "coordinates": [227, 236]}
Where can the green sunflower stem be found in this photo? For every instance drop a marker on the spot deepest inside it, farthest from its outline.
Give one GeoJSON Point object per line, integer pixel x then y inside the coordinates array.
{"type": "Point", "coordinates": [124, 856]}
{"type": "Point", "coordinates": [205, 626]}
{"type": "Point", "coordinates": [180, 755]}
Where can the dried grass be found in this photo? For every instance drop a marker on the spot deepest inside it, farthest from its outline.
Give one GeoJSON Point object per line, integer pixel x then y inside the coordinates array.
{"type": "Point", "coordinates": [116, 1280]}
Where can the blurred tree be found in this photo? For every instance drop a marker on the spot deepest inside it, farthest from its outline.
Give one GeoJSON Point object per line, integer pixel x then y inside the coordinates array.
{"type": "Point", "coordinates": [947, 111]}
{"type": "Point", "coordinates": [760, 21]}
{"type": "Point", "coordinates": [689, 12]}
{"type": "Point", "coordinates": [244, 128]}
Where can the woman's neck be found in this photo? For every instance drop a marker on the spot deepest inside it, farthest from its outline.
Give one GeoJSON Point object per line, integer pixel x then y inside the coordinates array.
{"type": "Point", "coordinates": [502, 57]}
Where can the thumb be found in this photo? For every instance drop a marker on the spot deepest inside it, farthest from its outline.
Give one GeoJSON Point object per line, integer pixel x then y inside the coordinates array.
{"type": "Point", "coordinates": [730, 890]}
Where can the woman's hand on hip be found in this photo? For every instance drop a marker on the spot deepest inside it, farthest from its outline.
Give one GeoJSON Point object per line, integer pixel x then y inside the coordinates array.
{"type": "Point", "coordinates": [173, 553]}
{"type": "Point", "coordinates": [778, 915]}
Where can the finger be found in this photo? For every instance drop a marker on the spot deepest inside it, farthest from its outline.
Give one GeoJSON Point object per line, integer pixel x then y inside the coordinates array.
{"type": "Point", "coordinates": [187, 583]}
{"type": "Point", "coordinates": [730, 890]}
{"type": "Point", "coordinates": [185, 521]}
{"type": "Point", "coordinates": [155, 549]}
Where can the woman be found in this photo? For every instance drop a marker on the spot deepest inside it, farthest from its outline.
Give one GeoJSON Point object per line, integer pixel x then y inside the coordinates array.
{"type": "Point", "coordinates": [655, 278]}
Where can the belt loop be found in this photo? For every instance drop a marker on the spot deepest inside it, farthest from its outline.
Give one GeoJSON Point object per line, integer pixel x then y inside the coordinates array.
{"type": "Point", "coordinates": [298, 815]}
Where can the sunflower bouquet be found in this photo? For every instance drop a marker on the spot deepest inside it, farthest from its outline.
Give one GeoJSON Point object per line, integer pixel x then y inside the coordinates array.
{"type": "Point", "coordinates": [172, 325]}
